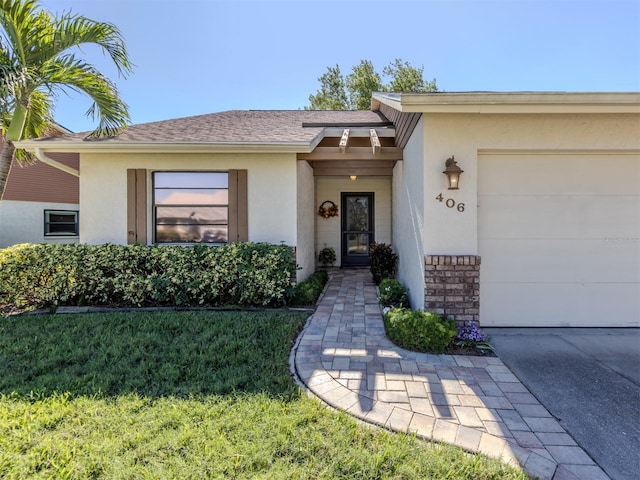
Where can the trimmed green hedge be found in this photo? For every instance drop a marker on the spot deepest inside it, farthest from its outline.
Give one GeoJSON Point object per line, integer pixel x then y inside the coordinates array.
{"type": "Point", "coordinates": [307, 293]}
{"type": "Point", "coordinates": [419, 331]}
{"type": "Point", "coordinates": [242, 274]}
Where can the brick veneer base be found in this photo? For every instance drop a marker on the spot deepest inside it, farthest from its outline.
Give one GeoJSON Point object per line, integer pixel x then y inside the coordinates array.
{"type": "Point", "coordinates": [452, 286]}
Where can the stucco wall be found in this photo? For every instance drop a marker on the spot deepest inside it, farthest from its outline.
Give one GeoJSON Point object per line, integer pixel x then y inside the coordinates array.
{"type": "Point", "coordinates": [423, 225]}
{"type": "Point", "coordinates": [450, 232]}
{"type": "Point", "coordinates": [408, 214]}
{"type": "Point", "coordinates": [305, 255]}
{"type": "Point", "coordinates": [329, 188]}
{"type": "Point", "coordinates": [23, 222]}
{"type": "Point", "coordinates": [271, 189]}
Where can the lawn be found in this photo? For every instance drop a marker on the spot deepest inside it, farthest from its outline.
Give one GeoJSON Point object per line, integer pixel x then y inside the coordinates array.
{"type": "Point", "coordinates": [187, 395]}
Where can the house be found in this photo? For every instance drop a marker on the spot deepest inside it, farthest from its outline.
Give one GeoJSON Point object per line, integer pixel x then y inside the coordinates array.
{"type": "Point", "coordinates": [40, 202]}
{"type": "Point", "coordinates": [541, 228]}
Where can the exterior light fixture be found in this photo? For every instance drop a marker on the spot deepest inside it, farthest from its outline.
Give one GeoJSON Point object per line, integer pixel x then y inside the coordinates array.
{"type": "Point", "coordinates": [452, 171]}
{"type": "Point", "coordinates": [353, 177]}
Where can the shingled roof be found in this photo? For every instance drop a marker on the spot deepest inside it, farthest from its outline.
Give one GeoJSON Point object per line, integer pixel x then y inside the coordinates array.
{"type": "Point", "coordinates": [238, 127]}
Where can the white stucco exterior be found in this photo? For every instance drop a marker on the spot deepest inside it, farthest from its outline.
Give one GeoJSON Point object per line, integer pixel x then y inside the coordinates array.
{"type": "Point", "coordinates": [305, 221]}
{"type": "Point", "coordinates": [465, 135]}
{"type": "Point", "coordinates": [408, 214]}
{"type": "Point", "coordinates": [23, 222]}
{"type": "Point", "coordinates": [547, 155]}
{"type": "Point", "coordinates": [272, 195]}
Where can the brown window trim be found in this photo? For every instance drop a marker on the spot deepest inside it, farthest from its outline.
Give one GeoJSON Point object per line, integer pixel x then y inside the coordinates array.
{"type": "Point", "coordinates": [138, 205]}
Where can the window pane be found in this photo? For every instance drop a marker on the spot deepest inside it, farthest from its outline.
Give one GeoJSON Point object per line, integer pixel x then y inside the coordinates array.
{"type": "Point", "coordinates": [191, 233]}
{"type": "Point", "coordinates": [60, 222]}
{"type": "Point", "coordinates": [358, 244]}
{"type": "Point", "coordinates": [191, 215]}
{"type": "Point", "coordinates": [62, 217]}
{"type": "Point", "coordinates": [191, 180]}
{"type": "Point", "coordinates": [182, 196]}
{"type": "Point", "coordinates": [357, 214]}
{"type": "Point", "coordinates": [56, 229]}
{"type": "Point", "coordinates": [191, 207]}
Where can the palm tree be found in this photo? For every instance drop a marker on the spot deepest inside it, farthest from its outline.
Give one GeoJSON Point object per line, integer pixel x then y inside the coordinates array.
{"type": "Point", "coordinates": [38, 60]}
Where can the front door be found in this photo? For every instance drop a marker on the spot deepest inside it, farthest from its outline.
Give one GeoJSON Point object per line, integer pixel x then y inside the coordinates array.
{"type": "Point", "coordinates": [357, 228]}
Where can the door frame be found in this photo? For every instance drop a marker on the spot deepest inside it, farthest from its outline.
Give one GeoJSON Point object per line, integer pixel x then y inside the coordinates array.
{"type": "Point", "coordinates": [360, 260]}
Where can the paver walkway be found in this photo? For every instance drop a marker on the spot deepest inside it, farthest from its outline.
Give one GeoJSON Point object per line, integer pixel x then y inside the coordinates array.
{"type": "Point", "coordinates": [344, 358]}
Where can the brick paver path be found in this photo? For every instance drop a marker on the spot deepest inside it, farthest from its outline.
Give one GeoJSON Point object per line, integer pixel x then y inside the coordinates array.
{"type": "Point", "coordinates": [344, 357]}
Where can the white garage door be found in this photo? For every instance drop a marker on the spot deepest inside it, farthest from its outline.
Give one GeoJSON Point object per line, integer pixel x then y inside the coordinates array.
{"type": "Point", "coordinates": [559, 237]}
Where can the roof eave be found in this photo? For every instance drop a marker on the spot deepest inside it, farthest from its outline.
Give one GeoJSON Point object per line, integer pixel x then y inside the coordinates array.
{"type": "Point", "coordinates": [105, 146]}
{"type": "Point", "coordinates": [513, 102]}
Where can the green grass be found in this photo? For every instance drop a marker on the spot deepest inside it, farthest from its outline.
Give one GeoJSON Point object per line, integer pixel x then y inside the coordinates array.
{"type": "Point", "coordinates": [187, 395]}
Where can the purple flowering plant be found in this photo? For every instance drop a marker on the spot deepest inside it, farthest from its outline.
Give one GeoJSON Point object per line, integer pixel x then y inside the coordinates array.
{"type": "Point", "coordinates": [470, 335]}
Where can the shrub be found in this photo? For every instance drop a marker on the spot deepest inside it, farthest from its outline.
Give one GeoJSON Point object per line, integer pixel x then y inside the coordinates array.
{"type": "Point", "coordinates": [307, 292]}
{"type": "Point", "coordinates": [419, 331]}
{"type": "Point", "coordinates": [470, 335]}
{"type": "Point", "coordinates": [34, 276]}
{"type": "Point", "coordinates": [327, 256]}
{"type": "Point", "coordinates": [393, 293]}
{"type": "Point", "coordinates": [383, 262]}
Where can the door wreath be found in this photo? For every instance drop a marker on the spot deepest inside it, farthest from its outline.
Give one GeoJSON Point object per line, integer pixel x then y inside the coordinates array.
{"type": "Point", "coordinates": [328, 209]}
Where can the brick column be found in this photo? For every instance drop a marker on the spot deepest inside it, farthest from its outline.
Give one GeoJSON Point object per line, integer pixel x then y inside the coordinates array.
{"type": "Point", "coordinates": [452, 286]}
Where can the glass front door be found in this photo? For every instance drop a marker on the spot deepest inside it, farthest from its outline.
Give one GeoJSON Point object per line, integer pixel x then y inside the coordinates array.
{"type": "Point", "coordinates": [357, 228]}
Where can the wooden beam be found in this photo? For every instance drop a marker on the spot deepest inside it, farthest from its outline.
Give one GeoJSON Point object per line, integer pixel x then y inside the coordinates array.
{"type": "Point", "coordinates": [363, 172]}
{"type": "Point", "coordinates": [353, 164]}
{"type": "Point", "coordinates": [354, 153]}
{"type": "Point", "coordinates": [375, 141]}
{"type": "Point", "coordinates": [344, 140]}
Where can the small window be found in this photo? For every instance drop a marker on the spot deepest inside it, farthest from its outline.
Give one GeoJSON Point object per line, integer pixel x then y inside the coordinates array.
{"type": "Point", "coordinates": [61, 223]}
{"type": "Point", "coordinates": [191, 207]}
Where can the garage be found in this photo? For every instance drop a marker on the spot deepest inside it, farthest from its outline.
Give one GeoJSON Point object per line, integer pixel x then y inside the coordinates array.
{"type": "Point", "coordinates": [559, 238]}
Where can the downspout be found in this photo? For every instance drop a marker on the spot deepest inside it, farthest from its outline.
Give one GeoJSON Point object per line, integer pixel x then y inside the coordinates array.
{"type": "Point", "coordinates": [40, 155]}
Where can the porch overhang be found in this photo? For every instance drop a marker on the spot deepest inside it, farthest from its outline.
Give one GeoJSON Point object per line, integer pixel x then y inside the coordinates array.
{"type": "Point", "coordinates": [354, 151]}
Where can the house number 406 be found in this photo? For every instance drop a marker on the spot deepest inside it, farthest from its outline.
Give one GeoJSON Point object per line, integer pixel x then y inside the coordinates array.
{"type": "Point", "coordinates": [451, 203]}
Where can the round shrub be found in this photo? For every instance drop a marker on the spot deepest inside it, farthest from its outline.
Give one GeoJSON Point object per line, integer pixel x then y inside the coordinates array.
{"type": "Point", "coordinates": [393, 293]}
{"type": "Point", "coordinates": [419, 331]}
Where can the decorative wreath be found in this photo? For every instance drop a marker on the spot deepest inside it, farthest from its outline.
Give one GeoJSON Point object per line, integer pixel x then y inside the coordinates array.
{"type": "Point", "coordinates": [330, 210]}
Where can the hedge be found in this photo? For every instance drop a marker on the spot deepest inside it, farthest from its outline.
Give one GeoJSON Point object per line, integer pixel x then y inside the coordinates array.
{"type": "Point", "coordinates": [419, 331]}
{"type": "Point", "coordinates": [241, 274]}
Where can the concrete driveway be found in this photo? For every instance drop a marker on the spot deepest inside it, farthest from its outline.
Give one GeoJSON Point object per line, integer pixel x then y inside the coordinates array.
{"type": "Point", "coordinates": [589, 379]}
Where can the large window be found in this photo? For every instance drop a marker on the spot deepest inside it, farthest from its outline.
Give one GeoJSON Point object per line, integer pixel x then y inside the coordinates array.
{"type": "Point", "coordinates": [63, 223]}
{"type": "Point", "coordinates": [191, 207]}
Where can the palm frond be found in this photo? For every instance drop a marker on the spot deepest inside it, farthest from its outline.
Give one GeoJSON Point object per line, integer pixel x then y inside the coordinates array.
{"type": "Point", "coordinates": [39, 116]}
{"type": "Point", "coordinates": [17, 20]}
{"type": "Point", "coordinates": [69, 72]}
{"type": "Point", "coordinates": [75, 30]}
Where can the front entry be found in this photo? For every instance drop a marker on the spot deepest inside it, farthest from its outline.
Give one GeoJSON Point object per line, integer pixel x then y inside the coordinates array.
{"type": "Point", "coordinates": [357, 229]}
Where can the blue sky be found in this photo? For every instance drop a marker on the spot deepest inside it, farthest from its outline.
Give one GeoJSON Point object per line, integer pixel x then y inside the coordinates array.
{"type": "Point", "coordinates": [204, 56]}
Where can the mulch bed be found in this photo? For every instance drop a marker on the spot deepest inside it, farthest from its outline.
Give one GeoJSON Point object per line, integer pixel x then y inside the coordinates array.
{"type": "Point", "coordinates": [470, 351]}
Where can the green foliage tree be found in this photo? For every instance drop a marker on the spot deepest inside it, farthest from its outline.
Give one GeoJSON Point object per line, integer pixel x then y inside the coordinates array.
{"type": "Point", "coordinates": [361, 83]}
{"type": "Point", "coordinates": [39, 59]}
{"type": "Point", "coordinates": [405, 78]}
{"type": "Point", "coordinates": [354, 92]}
{"type": "Point", "coordinates": [332, 94]}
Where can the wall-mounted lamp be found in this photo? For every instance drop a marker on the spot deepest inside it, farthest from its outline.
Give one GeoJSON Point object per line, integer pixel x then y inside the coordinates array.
{"type": "Point", "coordinates": [353, 177]}
{"type": "Point", "coordinates": [452, 171]}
